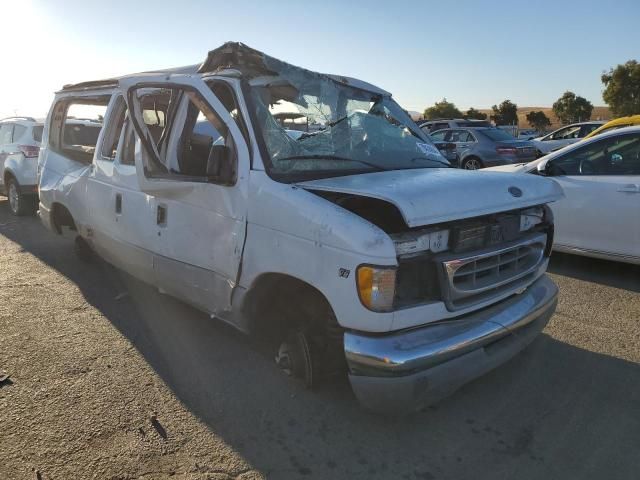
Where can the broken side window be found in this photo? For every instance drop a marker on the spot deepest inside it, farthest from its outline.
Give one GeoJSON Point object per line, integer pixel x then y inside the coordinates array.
{"type": "Point", "coordinates": [154, 117]}
{"type": "Point", "coordinates": [184, 135]}
{"type": "Point", "coordinates": [224, 92]}
{"type": "Point", "coordinates": [76, 126]}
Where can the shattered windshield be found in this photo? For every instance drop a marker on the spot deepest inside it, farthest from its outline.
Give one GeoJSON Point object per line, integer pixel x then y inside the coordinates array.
{"type": "Point", "coordinates": [314, 126]}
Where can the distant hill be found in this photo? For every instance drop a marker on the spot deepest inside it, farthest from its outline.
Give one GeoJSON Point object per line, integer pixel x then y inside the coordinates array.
{"type": "Point", "coordinates": [599, 113]}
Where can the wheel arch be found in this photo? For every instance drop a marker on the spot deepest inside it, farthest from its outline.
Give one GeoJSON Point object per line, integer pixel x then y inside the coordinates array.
{"type": "Point", "coordinates": [61, 217]}
{"type": "Point", "coordinates": [286, 312]}
{"type": "Point", "coordinates": [270, 291]}
{"type": "Point", "coordinates": [7, 175]}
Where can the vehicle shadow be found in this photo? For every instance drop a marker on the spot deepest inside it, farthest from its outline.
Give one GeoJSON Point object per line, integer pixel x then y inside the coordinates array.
{"type": "Point", "coordinates": [605, 272]}
{"type": "Point", "coordinates": [554, 411]}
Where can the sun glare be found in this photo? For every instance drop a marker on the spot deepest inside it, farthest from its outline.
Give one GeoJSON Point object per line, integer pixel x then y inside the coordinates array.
{"type": "Point", "coordinates": [21, 92]}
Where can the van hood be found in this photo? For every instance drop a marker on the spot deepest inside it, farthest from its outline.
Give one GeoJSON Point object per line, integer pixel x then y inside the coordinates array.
{"type": "Point", "coordinates": [429, 196]}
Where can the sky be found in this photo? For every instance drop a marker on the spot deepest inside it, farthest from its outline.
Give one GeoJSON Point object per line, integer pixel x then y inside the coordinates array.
{"type": "Point", "coordinates": [475, 54]}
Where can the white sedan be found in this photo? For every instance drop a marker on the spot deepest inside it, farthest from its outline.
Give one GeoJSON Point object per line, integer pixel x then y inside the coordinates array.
{"type": "Point", "coordinates": [600, 214]}
{"type": "Point", "coordinates": [564, 136]}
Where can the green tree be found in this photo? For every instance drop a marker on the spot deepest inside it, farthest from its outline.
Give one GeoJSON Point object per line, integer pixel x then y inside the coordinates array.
{"type": "Point", "coordinates": [442, 109]}
{"type": "Point", "coordinates": [473, 114]}
{"type": "Point", "coordinates": [538, 120]}
{"type": "Point", "coordinates": [505, 114]}
{"type": "Point", "coordinates": [622, 89]}
{"type": "Point", "coordinates": [572, 108]}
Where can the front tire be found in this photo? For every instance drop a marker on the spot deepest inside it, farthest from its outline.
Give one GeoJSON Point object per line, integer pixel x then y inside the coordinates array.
{"type": "Point", "coordinates": [472, 163]}
{"type": "Point", "coordinates": [19, 204]}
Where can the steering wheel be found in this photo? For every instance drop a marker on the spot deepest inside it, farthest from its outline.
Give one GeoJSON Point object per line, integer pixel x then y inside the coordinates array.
{"type": "Point", "coordinates": [587, 167]}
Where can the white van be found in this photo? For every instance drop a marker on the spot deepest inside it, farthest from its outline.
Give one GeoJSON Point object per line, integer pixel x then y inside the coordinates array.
{"type": "Point", "coordinates": [355, 247]}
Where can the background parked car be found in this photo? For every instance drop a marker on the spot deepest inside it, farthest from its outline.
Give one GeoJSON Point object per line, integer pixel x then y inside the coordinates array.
{"type": "Point", "coordinates": [448, 151]}
{"type": "Point", "coordinates": [20, 139]}
{"type": "Point", "coordinates": [564, 136]}
{"type": "Point", "coordinates": [528, 134]}
{"type": "Point", "coordinates": [434, 125]}
{"type": "Point", "coordinates": [480, 147]}
{"type": "Point", "coordinates": [599, 216]}
{"type": "Point", "coordinates": [616, 123]}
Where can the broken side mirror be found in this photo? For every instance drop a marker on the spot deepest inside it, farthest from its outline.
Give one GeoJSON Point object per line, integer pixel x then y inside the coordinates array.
{"type": "Point", "coordinates": [221, 165]}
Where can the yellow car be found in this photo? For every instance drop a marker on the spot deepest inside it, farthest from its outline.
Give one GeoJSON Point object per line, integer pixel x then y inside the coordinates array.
{"type": "Point", "coordinates": [616, 123]}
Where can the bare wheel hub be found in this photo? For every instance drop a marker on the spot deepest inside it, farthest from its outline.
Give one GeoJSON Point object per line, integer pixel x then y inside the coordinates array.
{"type": "Point", "coordinates": [294, 357]}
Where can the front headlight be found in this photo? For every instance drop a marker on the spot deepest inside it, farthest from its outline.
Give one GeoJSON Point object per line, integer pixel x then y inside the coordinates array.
{"type": "Point", "coordinates": [377, 287]}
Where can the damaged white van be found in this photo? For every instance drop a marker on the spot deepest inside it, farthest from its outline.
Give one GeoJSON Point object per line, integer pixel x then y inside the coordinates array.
{"type": "Point", "coordinates": [310, 209]}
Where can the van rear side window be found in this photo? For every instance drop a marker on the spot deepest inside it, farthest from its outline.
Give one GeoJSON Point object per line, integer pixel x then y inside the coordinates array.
{"type": "Point", "coordinates": [76, 125]}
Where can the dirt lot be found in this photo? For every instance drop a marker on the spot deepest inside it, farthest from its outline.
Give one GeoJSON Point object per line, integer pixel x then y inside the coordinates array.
{"type": "Point", "coordinates": [111, 380]}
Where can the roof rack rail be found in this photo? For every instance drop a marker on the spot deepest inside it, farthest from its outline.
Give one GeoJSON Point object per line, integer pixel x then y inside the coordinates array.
{"type": "Point", "coordinates": [91, 85]}
{"type": "Point", "coordinates": [30, 119]}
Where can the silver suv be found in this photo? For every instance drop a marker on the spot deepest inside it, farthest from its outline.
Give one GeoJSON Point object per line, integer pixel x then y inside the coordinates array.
{"type": "Point", "coordinates": [20, 139]}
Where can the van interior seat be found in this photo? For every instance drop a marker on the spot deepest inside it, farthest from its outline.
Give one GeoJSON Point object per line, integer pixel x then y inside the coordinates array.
{"type": "Point", "coordinates": [195, 155]}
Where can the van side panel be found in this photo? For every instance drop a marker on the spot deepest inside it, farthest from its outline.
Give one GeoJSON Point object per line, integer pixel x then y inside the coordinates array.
{"type": "Point", "coordinates": [63, 180]}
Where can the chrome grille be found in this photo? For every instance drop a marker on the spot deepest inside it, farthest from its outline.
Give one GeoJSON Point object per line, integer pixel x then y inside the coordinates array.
{"type": "Point", "coordinates": [479, 276]}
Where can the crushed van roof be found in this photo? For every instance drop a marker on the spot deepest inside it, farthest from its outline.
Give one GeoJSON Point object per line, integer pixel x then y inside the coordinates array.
{"type": "Point", "coordinates": [238, 56]}
{"type": "Point", "coordinates": [113, 81]}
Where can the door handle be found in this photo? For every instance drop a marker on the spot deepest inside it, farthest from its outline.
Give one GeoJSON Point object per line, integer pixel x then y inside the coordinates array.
{"type": "Point", "coordinates": [118, 203]}
{"type": "Point", "coordinates": [161, 215]}
{"type": "Point", "coordinates": [630, 189]}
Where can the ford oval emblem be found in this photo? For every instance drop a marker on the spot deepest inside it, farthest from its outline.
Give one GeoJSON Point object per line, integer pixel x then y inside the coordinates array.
{"type": "Point", "coordinates": [515, 191]}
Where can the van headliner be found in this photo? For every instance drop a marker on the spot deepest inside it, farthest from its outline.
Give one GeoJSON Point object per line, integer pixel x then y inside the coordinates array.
{"type": "Point", "coordinates": [251, 63]}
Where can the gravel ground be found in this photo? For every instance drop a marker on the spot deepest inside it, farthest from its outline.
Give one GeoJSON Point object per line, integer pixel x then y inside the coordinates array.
{"type": "Point", "coordinates": [111, 380]}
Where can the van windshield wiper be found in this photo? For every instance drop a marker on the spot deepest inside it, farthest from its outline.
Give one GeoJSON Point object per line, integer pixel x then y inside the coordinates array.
{"type": "Point", "coordinates": [334, 157]}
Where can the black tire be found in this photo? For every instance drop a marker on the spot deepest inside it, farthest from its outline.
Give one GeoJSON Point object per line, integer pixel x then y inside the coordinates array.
{"type": "Point", "coordinates": [83, 250]}
{"type": "Point", "coordinates": [19, 204]}
{"type": "Point", "coordinates": [472, 163]}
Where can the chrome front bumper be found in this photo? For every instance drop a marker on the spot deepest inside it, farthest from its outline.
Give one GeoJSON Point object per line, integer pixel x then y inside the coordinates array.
{"type": "Point", "coordinates": [405, 371]}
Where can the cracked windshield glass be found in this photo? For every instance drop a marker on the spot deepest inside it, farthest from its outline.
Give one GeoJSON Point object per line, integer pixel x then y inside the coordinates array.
{"type": "Point", "coordinates": [315, 126]}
